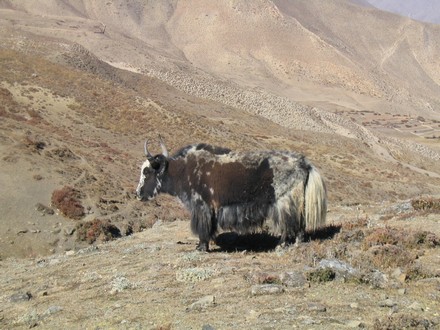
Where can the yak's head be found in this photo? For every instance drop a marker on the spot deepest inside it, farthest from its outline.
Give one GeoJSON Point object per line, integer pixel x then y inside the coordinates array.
{"type": "Point", "coordinates": [152, 173]}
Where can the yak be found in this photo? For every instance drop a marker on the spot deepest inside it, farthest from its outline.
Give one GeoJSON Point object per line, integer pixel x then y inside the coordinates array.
{"type": "Point", "coordinates": [238, 191]}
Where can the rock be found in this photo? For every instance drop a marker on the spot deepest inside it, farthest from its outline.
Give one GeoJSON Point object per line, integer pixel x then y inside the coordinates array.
{"type": "Point", "coordinates": [207, 327]}
{"type": "Point", "coordinates": [341, 269]}
{"type": "Point", "coordinates": [387, 303]}
{"type": "Point", "coordinates": [399, 275]}
{"type": "Point", "coordinates": [52, 310]}
{"type": "Point", "coordinates": [354, 305]}
{"type": "Point", "coordinates": [157, 224]}
{"type": "Point", "coordinates": [205, 302]}
{"type": "Point", "coordinates": [293, 279]}
{"type": "Point", "coordinates": [378, 279]}
{"type": "Point", "coordinates": [43, 209]}
{"type": "Point", "coordinates": [69, 231]}
{"type": "Point", "coordinates": [316, 307]}
{"type": "Point", "coordinates": [401, 291]}
{"type": "Point", "coordinates": [355, 324]}
{"type": "Point", "coordinates": [415, 306]}
{"type": "Point", "coordinates": [19, 297]}
{"type": "Point", "coordinates": [263, 289]}
{"type": "Point", "coordinates": [337, 266]}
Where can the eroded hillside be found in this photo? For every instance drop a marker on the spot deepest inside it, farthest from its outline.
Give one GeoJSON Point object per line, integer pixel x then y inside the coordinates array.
{"type": "Point", "coordinates": [83, 84]}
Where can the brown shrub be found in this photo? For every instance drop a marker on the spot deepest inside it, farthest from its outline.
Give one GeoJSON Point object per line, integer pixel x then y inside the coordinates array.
{"type": "Point", "coordinates": [386, 248]}
{"type": "Point", "coordinates": [426, 239]}
{"type": "Point", "coordinates": [66, 200]}
{"type": "Point", "coordinates": [382, 236]}
{"type": "Point", "coordinates": [426, 203]}
{"type": "Point", "coordinates": [404, 238]}
{"type": "Point", "coordinates": [404, 321]}
{"type": "Point", "coordinates": [357, 223]}
{"type": "Point", "coordinates": [390, 256]}
{"type": "Point", "coordinates": [102, 230]}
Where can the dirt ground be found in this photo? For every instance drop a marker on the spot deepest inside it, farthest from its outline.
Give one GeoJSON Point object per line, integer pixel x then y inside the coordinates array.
{"type": "Point", "coordinates": [156, 280]}
{"type": "Point", "coordinates": [77, 104]}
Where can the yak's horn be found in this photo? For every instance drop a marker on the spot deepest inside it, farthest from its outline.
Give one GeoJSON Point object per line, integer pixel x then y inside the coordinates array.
{"type": "Point", "coordinates": [147, 153]}
{"type": "Point", "coordinates": [162, 145]}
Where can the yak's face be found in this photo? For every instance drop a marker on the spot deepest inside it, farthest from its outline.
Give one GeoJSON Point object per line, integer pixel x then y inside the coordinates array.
{"type": "Point", "coordinates": [152, 173]}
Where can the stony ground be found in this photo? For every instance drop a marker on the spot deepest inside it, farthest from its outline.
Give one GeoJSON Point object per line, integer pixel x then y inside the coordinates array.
{"type": "Point", "coordinates": [72, 124]}
{"type": "Point", "coordinates": [156, 280]}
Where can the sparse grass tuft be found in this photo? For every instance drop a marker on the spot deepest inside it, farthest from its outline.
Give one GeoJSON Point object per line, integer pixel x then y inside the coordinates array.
{"type": "Point", "coordinates": [66, 200]}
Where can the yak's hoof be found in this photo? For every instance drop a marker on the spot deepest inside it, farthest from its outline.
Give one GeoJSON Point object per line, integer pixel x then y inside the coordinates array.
{"type": "Point", "coordinates": [204, 247]}
{"type": "Point", "coordinates": [299, 239]}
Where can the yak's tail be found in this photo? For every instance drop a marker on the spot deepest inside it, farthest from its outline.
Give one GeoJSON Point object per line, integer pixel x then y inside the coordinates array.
{"type": "Point", "coordinates": [315, 201]}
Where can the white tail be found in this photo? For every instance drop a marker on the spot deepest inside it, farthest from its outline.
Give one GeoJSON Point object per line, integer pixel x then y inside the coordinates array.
{"type": "Point", "coordinates": [315, 201]}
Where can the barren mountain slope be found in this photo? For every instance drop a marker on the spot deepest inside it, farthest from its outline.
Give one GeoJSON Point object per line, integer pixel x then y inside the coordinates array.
{"type": "Point", "coordinates": [67, 127]}
{"type": "Point", "coordinates": [301, 48]}
{"type": "Point", "coordinates": [70, 119]}
{"type": "Point", "coordinates": [422, 10]}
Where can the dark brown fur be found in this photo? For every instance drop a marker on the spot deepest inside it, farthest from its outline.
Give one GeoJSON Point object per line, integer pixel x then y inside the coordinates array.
{"type": "Point", "coordinates": [237, 191]}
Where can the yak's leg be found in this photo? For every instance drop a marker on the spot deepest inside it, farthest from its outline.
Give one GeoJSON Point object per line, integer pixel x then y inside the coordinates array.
{"type": "Point", "coordinates": [284, 241]}
{"type": "Point", "coordinates": [203, 224]}
{"type": "Point", "coordinates": [299, 237]}
{"type": "Point", "coordinates": [288, 224]}
{"type": "Point", "coordinates": [203, 246]}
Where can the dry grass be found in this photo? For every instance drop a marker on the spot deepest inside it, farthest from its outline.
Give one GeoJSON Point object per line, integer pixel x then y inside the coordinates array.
{"type": "Point", "coordinates": [66, 200]}
{"type": "Point", "coordinates": [97, 230]}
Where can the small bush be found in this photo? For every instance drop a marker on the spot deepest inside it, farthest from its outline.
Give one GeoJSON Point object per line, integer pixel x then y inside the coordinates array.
{"type": "Point", "coordinates": [390, 256]}
{"type": "Point", "coordinates": [383, 236]}
{"type": "Point", "coordinates": [404, 321]}
{"type": "Point", "coordinates": [417, 272]}
{"type": "Point", "coordinates": [66, 200]}
{"type": "Point", "coordinates": [426, 204]}
{"type": "Point", "coordinates": [404, 238]}
{"type": "Point", "coordinates": [102, 230]}
{"type": "Point", "coordinates": [426, 238]}
{"type": "Point", "coordinates": [321, 275]}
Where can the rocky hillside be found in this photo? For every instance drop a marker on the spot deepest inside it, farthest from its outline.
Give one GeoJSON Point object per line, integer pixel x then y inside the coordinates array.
{"type": "Point", "coordinates": [83, 84]}
{"type": "Point", "coordinates": [360, 275]}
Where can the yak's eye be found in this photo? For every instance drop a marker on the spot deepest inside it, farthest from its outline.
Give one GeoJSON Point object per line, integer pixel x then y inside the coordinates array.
{"type": "Point", "coordinates": [145, 171]}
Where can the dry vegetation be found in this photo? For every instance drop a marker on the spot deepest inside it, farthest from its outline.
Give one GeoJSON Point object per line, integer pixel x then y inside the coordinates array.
{"type": "Point", "coordinates": [71, 135]}
{"type": "Point", "coordinates": [66, 200]}
{"type": "Point", "coordinates": [97, 229]}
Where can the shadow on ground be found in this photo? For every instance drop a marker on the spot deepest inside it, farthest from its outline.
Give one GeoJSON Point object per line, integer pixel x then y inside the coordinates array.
{"type": "Point", "coordinates": [263, 242]}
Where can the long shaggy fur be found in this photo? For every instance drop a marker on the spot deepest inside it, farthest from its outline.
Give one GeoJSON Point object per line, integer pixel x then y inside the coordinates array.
{"type": "Point", "coordinates": [240, 192]}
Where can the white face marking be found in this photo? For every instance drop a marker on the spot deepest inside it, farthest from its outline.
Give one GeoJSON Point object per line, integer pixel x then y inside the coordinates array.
{"type": "Point", "coordinates": [142, 178]}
